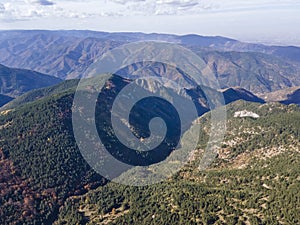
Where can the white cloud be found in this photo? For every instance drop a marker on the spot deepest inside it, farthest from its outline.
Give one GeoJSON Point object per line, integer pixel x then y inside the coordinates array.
{"type": "Point", "coordinates": [31, 9]}
{"type": "Point", "coordinates": [234, 18]}
{"type": "Point", "coordinates": [35, 9]}
{"type": "Point", "coordinates": [40, 2]}
{"type": "Point", "coordinates": [2, 8]}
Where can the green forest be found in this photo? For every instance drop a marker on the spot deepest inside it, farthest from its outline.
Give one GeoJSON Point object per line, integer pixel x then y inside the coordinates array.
{"type": "Point", "coordinates": [44, 179]}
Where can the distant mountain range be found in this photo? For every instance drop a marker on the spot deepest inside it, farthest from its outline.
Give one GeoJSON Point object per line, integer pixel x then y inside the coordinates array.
{"type": "Point", "coordinates": [212, 42]}
{"type": "Point", "coordinates": [255, 72]}
{"type": "Point", "coordinates": [44, 178]}
{"type": "Point", "coordinates": [67, 54]}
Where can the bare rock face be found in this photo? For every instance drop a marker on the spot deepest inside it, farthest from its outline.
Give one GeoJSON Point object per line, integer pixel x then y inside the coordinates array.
{"type": "Point", "coordinates": [245, 113]}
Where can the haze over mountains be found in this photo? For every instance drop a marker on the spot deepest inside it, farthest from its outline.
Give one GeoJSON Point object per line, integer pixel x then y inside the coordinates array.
{"type": "Point", "coordinates": [44, 179]}
{"type": "Point", "coordinates": [67, 54]}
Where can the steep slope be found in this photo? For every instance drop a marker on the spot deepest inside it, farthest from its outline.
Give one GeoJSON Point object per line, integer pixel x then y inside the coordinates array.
{"type": "Point", "coordinates": [197, 94]}
{"type": "Point", "coordinates": [158, 69]}
{"type": "Point", "coordinates": [256, 68]}
{"type": "Point", "coordinates": [40, 162]}
{"type": "Point", "coordinates": [285, 96]}
{"type": "Point", "coordinates": [40, 159]}
{"type": "Point", "coordinates": [42, 93]}
{"type": "Point", "coordinates": [254, 180]}
{"type": "Point", "coordinates": [15, 82]}
{"type": "Point", "coordinates": [255, 72]}
{"type": "Point", "coordinates": [234, 94]}
{"type": "Point", "coordinates": [66, 56]}
{"type": "Point", "coordinates": [4, 99]}
{"type": "Point", "coordinates": [293, 98]}
{"type": "Point", "coordinates": [39, 156]}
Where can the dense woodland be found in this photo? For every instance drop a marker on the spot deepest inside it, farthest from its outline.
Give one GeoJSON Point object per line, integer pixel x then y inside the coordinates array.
{"type": "Point", "coordinates": [242, 188]}
{"type": "Point", "coordinates": [38, 146]}
{"type": "Point", "coordinates": [44, 179]}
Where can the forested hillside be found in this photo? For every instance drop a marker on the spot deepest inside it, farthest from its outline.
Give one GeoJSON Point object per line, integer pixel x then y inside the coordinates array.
{"type": "Point", "coordinates": [254, 180]}
{"type": "Point", "coordinates": [44, 177]}
{"type": "Point", "coordinates": [40, 162]}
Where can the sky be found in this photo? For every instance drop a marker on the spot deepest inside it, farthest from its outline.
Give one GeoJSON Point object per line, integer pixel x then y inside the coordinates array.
{"type": "Point", "coordinates": [266, 21]}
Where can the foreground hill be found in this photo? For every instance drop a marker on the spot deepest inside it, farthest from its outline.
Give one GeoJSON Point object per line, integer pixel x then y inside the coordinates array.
{"type": "Point", "coordinates": [15, 82]}
{"type": "Point", "coordinates": [254, 177]}
{"type": "Point", "coordinates": [40, 162]}
{"type": "Point", "coordinates": [254, 180]}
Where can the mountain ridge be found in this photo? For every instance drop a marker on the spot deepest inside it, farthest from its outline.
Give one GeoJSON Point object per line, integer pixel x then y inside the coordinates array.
{"type": "Point", "coordinates": [197, 94]}
{"type": "Point", "coordinates": [37, 143]}
{"type": "Point", "coordinates": [70, 53]}
{"type": "Point", "coordinates": [4, 99]}
{"type": "Point", "coordinates": [285, 96]}
{"type": "Point", "coordinates": [44, 178]}
{"type": "Point", "coordinates": [15, 82]}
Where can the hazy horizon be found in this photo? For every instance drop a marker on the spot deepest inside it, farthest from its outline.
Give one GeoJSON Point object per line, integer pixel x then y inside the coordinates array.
{"type": "Point", "coordinates": [262, 21]}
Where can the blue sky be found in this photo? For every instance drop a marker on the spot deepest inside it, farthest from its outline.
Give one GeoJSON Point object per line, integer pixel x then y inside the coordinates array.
{"type": "Point", "coordinates": [268, 21]}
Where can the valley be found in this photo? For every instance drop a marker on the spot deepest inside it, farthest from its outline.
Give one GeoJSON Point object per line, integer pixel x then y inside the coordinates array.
{"type": "Point", "coordinates": [251, 178]}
